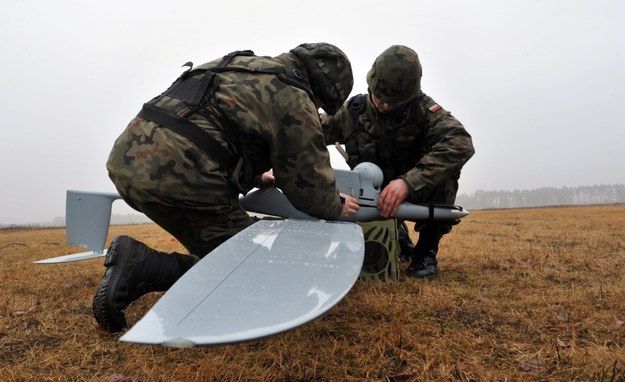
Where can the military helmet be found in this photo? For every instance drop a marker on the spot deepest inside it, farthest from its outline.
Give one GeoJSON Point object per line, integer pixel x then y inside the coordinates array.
{"type": "Point", "coordinates": [329, 73]}
{"type": "Point", "coordinates": [395, 76]}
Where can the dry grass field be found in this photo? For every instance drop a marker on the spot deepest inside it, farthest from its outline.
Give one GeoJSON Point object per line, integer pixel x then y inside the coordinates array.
{"type": "Point", "coordinates": [523, 295]}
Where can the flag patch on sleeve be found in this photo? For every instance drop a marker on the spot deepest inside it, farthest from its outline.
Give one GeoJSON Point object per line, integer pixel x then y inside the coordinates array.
{"type": "Point", "coordinates": [434, 108]}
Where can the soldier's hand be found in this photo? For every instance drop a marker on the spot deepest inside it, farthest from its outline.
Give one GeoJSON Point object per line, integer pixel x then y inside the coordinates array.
{"type": "Point", "coordinates": [350, 206]}
{"type": "Point", "coordinates": [394, 194]}
{"type": "Point", "coordinates": [267, 178]}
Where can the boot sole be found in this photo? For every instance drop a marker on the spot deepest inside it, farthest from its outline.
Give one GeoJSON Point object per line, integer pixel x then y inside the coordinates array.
{"type": "Point", "coordinates": [416, 276]}
{"type": "Point", "coordinates": [412, 272]}
{"type": "Point", "coordinates": [104, 311]}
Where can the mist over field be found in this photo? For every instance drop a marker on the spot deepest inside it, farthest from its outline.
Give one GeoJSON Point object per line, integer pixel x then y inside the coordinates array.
{"type": "Point", "coordinates": [538, 84]}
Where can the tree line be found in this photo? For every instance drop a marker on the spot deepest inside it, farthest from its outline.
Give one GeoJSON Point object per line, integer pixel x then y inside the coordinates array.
{"type": "Point", "coordinates": [480, 199]}
{"type": "Point", "coordinates": [546, 196]}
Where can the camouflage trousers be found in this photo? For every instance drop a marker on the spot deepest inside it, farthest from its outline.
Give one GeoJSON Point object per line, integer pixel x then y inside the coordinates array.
{"type": "Point", "coordinates": [199, 231]}
{"type": "Point", "coordinates": [445, 193]}
{"type": "Point", "coordinates": [177, 186]}
{"type": "Point", "coordinates": [200, 216]}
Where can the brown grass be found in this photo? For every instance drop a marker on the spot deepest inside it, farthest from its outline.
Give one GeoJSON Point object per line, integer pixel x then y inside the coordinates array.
{"type": "Point", "coordinates": [523, 295]}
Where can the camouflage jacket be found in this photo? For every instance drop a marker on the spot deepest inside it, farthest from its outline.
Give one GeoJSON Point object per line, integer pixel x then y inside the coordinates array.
{"type": "Point", "coordinates": [276, 125]}
{"type": "Point", "coordinates": [420, 142]}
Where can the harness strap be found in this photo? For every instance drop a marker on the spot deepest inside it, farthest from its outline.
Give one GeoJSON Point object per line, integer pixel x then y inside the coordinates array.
{"type": "Point", "coordinates": [182, 126]}
{"type": "Point", "coordinates": [356, 106]}
{"type": "Point", "coordinates": [191, 89]}
{"type": "Point", "coordinates": [292, 77]}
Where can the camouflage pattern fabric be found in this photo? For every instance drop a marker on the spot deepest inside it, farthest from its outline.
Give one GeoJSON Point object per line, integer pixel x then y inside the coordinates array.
{"type": "Point", "coordinates": [331, 74]}
{"type": "Point", "coordinates": [417, 141]}
{"type": "Point", "coordinates": [187, 193]}
{"type": "Point", "coordinates": [395, 76]}
{"type": "Point", "coordinates": [420, 142]}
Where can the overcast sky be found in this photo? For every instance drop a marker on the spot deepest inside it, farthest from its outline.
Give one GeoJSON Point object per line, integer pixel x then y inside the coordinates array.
{"type": "Point", "coordinates": [540, 85]}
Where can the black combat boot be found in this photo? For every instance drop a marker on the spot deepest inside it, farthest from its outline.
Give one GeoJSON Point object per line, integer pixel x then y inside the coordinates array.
{"type": "Point", "coordinates": [132, 270]}
{"type": "Point", "coordinates": [424, 265]}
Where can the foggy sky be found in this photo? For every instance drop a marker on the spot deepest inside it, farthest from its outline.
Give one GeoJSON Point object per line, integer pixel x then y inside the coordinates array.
{"type": "Point", "coordinates": [539, 85]}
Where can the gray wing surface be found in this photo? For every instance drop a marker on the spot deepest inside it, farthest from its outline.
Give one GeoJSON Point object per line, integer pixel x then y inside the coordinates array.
{"type": "Point", "coordinates": [271, 277]}
{"type": "Point", "coordinates": [72, 257]}
{"type": "Point", "coordinates": [88, 215]}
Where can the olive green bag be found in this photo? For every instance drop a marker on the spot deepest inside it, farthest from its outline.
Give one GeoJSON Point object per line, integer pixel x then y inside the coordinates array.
{"type": "Point", "coordinates": [381, 250]}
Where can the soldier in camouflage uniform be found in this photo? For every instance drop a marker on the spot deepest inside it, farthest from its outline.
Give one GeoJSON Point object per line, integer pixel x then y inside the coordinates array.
{"type": "Point", "coordinates": [419, 146]}
{"type": "Point", "coordinates": [215, 133]}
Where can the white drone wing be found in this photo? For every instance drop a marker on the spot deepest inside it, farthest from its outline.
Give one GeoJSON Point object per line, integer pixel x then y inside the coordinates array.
{"type": "Point", "coordinates": [271, 277]}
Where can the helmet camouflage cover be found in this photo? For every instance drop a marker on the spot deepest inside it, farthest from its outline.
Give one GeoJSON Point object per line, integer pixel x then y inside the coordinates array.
{"type": "Point", "coordinates": [395, 76]}
{"type": "Point", "coordinates": [329, 71]}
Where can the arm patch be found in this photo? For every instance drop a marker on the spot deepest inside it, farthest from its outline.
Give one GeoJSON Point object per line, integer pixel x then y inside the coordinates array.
{"type": "Point", "coordinates": [434, 108]}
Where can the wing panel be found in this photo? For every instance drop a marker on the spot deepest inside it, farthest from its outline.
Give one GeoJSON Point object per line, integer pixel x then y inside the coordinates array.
{"type": "Point", "coordinates": [271, 277]}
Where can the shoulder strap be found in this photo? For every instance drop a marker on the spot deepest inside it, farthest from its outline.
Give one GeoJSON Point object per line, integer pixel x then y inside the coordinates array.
{"type": "Point", "coordinates": [192, 87]}
{"type": "Point", "coordinates": [189, 130]}
{"type": "Point", "coordinates": [287, 75]}
{"type": "Point", "coordinates": [355, 106]}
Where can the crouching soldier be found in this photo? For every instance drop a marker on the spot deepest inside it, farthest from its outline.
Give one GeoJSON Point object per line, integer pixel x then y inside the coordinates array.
{"type": "Point", "coordinates": [419, 146]}
{"type": "Point", "coordinates": [215, 133]}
